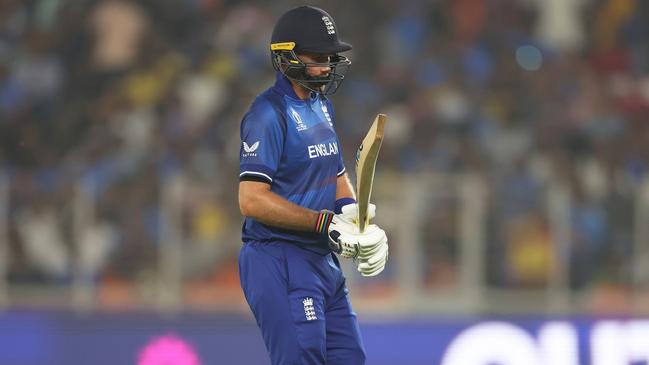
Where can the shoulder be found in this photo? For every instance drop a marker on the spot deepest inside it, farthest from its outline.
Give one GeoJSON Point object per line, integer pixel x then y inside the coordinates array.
{"type": "Point", "coordinates": [265, 111]}
{"type": "Point", "coordinates": [265, 102]}
{"type": "Point", "coordinates": [265, 106]}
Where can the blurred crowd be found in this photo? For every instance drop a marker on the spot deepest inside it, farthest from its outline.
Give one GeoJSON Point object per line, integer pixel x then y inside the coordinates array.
{"type": "Point", "coordinates": [106, 105]}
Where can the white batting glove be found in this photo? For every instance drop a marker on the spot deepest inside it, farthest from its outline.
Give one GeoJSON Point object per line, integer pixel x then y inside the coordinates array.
{"type": "Point", "coordinates": [375, 264]}
{"type": "Point", "coordinates": [373, 252]}
{"type": "Point", "coordinates": [343, 237]}
{"type": "Point", "coordinates": [346, 240]}
{"type": "Point", "coordinates": [349, 212]}
{"type": "Point", "coordinates": [374, 237]}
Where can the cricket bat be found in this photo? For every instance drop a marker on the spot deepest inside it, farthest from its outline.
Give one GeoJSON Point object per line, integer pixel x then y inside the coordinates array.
{"type": "Point", "coordinates": [366, 157]}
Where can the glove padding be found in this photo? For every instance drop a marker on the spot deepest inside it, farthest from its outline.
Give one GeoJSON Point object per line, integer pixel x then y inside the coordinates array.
{"type": "Point", "coordinates": [349, 212]}
{"type": "Point", "coordinates": [346, 240]}
{"type": "Point", "coordinates": [373, 257]}
{"type": "Point", "coordinates": [343, 237]}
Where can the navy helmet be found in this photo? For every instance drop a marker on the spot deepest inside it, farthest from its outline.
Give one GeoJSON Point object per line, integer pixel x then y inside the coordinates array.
{"type": "Point", "coordinates": [309, 30]}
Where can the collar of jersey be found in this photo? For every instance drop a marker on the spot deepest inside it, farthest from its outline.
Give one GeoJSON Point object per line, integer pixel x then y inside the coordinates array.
{"type": "Point", "coordinates": [286, 88]}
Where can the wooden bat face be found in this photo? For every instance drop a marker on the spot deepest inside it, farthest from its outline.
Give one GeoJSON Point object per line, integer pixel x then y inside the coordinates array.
{"type": "Point", "coordinates": [366, 157]}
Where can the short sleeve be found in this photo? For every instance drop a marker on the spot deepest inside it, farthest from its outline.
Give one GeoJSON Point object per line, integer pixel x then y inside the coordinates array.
{"type": "Point", "coordinates": [341, 165]}
{"type": "Point", "coordinates": [262, 141]}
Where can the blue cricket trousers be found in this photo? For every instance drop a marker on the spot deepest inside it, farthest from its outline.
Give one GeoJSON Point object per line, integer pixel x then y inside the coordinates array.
{"type": "Point", "coordinates": [301, 305]}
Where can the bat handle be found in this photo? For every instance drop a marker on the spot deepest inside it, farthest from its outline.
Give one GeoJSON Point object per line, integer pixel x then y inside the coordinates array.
{"type": "Point", "coordinates": [362, 223]}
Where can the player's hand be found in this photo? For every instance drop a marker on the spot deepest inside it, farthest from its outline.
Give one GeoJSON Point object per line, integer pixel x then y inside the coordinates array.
{"type": "Point", "coordinates": [349, 212]}
{"type": "Point", "coordinates": [375, 264]}
{"type": "Point", "coordinates": [373, 255]}
{"type": "Point", "coordinates": [346, 240]}
{"type": "Point", "coordinates": [343, 237]}
{"type": "Point", "coordinates": [374, 238]}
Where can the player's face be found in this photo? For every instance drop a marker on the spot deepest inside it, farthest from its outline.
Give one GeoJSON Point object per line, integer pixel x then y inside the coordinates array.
{"type": "Point", "coordinates": [316, 70]}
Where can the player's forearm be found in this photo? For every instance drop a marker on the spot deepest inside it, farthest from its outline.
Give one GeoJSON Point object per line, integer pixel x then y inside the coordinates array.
{"type": "Point", "coordinates": [344, 188]}
{"type": "Point", "coordinates": [271, 209]}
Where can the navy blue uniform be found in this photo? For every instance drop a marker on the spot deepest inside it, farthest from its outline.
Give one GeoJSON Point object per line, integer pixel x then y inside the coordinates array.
{"type": "Point", "coordinates": [291, 280]}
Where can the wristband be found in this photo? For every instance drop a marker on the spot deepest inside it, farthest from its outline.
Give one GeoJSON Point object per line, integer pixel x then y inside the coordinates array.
{"type": "Point", "coordinates": [340, 203]}
{"type": "Point", "coordinates": [323, 221]}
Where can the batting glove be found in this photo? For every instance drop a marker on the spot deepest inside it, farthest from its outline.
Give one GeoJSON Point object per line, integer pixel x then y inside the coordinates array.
{"type": "Point", "coordinates": [374, 264]}
{"type": "Point", "coordinates": [349, 212]}
{"type": "Point", "coordinates": [372, 251]}
{"type": "Point", "coordinates": [346, 240]}
{"type": "Point", "coordinates": [374, 238]}
{"type": "Point", "coordinates": [343, 238]}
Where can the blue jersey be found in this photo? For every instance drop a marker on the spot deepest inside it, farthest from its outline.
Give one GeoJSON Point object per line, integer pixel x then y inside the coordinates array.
{"type": "Point", "coordinates": [291, 144]}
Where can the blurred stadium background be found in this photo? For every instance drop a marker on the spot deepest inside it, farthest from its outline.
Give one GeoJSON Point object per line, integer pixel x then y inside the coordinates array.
{"type": "Point", "coordinates": [512, 183]}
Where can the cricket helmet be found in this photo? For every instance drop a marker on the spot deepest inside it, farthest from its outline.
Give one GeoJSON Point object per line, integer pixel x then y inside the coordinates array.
{"type": "Point", "coordinates": [310, 30]}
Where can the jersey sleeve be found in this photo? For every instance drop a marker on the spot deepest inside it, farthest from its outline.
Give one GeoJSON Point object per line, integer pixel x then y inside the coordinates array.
{"type": "Point", "coordinates": [262, 141]}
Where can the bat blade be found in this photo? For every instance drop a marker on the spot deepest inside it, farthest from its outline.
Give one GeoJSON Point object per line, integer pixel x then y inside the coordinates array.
{"type": "Point", "coordinates": [366, 156]}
